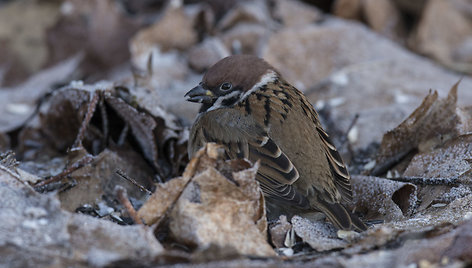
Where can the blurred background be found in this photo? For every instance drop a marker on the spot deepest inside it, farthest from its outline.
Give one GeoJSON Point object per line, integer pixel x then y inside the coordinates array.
{"type": "Point", "coordinates": [374, 58]}
{"type": "Point", "coordinates": [89, 87]}
{"type": "Point", "coordinates": [36, 34]}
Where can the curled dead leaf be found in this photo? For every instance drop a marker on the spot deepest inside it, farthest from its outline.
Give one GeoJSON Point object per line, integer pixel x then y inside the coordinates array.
{"type": "Point", "coordinates": [431, 124]}
{"type": "Point", "coordinates": [384, 199]}
{"type": "Point", "coordinates": [206, 208]}
{"type": "Point", "coordinates": [318, 235]}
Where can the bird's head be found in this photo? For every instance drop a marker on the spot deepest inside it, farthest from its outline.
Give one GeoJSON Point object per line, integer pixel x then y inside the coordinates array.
{"type": "Point", "coordinates": [230, 81]}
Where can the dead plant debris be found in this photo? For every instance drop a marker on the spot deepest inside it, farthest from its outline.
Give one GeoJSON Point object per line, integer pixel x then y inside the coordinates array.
{"type": "Point", "coordinates": [94, 169]}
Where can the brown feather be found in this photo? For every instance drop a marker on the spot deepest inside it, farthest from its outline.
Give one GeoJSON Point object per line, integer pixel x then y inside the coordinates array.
{"type": "Point", "coordinates": [276, 173]}
{"type": "Point", "coordinates": [276, 124]}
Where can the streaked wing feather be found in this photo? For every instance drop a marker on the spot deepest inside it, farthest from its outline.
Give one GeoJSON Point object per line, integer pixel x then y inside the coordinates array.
{"type": "Point", "coordinates": [339, 171]}
{"type": "Point", "coordinates": [341, 176]}
{"type": "Point", "coordinates": [246, 138]}
{"type": "Point", "coordinates": [340, 217]}
{"type": "Point", "coordinates": [282, 192]}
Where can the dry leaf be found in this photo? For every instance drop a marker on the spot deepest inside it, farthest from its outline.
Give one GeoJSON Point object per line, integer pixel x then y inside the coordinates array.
{"type": "Point", "coordinates": [18, 103]}
{"type": "Point", "coordinates": [36, 232]}
{"type": "Point", "coordinates": [161, 200]}
{"type": "Point", "coordinates": [207, 208]}
{"type": "Point", "coordinates": [319, 235]}
{"type": "Point", "coordinates": [447, 161]}
{"type": "Point", "coordinates": [174, 30]}
{"type": "Point", "coordinates": [440, 245]}
{"type": "Point", "coordinates": [443, 33]}
{"type": "Point", "coordinates": [278, 231]}
{"type": "Point", "coordinates": [295, 13]}
{"type": "Point", "coordinates": [432, 123]}
{"type": "Point", "coordinates": [97, 181]}
{"type": "Point", "coordinates": [245, 12]}
{"type": "Point", "coordinates": [448, 164]}
{"type": "Point", "coordinates": [99, 29]}
{"type": "Point", "coordinates": [142, 126]}
{"type": "Point", "coordinates": [62, 119]}
{"type": "Point", "coordinates": [213, 210]}
{"type": "Point", "coordinates": [379, 198]}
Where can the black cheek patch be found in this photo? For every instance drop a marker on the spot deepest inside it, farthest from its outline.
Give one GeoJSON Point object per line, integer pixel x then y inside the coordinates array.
{"type": "Point", "coordinates": [231, 101]}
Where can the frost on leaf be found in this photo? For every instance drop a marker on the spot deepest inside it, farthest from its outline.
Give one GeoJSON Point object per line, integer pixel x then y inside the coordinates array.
{"type": "Point", "coordinates": [215, 203]}
{"type": "Point", "coordinates": [383, 199]}
{"type": "Point", "coordinates": [320, 236]}
{"type": "Point", "coordinates": [431, 124]}
{"type": "Point", "coordinates": [449, 164]}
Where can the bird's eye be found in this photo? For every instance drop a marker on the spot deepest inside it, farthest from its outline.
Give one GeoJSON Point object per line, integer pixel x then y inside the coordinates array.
{"type": "Point", "coordinates": [226, 86]}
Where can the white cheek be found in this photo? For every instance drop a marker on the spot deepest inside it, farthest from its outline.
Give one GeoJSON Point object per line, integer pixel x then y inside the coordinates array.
{"type": "Point", "coordinates": [265, 79]}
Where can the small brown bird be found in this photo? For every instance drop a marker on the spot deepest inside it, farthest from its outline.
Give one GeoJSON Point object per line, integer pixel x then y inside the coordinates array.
{"type": "Point", "coordinates": [255, 114]}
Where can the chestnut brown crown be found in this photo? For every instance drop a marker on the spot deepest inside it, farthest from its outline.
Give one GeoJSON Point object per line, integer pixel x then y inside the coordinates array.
{"type": "Point", "coordinates": [225, 83]}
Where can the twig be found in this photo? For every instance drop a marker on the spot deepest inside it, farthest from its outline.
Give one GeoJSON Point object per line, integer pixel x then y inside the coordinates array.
{"type": "Point", "coordinates": [78, 164]}
{"type": "Point", "coordinates": [428, 181]}
{"type": "Point", "coordinates": [103, 113]}
{"type": "Point", "coordinates": [122, 196]}
{"type": "Point", "coordinates": [381, 168]}
{"type": "Point", "coordinates": [133, 181]}
{"type": "Point", "coordinates": [12, 173]}
{"type": "Point", "coordinates": [88, 116]}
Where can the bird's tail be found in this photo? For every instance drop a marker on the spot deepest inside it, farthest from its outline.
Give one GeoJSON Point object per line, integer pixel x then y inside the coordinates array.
{"type": "Point", "coordinates": [340, 217]}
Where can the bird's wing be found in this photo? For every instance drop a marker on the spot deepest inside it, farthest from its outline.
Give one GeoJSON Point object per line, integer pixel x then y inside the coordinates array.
{"type": "Point", "coordinates": [338, 168]}
{"type": "Point", "coordinates": [339, 171]}
{"type": "Point", "coordinates": [243, 137]}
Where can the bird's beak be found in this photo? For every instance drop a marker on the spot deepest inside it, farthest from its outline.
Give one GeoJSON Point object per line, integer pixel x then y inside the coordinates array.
{"type": "Point", "coordinates": [199, 94]}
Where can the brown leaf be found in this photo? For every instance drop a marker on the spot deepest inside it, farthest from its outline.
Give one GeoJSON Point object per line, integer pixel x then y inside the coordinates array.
{"type": "Point", "coordinates": [376, 237]}
{"type": "Point", "coordinates": [460, 247]}
{"type": "Point", "coordinates": [379, 198]}
{"type": "Point", "coordinates": [36, 231]}
{"type": "Point", "coordinates": [174, 30]}
{"type": "Point", "coordinates": [213, 210]}
{"type": "Point", "coordinates": [100, 29]}
{"type": "Point", "coordinates": [210, 209]}
{"type": "Point", "coordinates": [62, 120]}
{"type": "Point", "coordinates": [166, 194]}
{"type": "Point", "coordinates": [142, 126]}
{"type": "Point", "coordinates": [295, 13]}
{"type": "Point", "coordinates": [99, 179]}
{"type": "Point", "coordinates": [446, 247]}
{"type": "Point", "coordinates": [318, 235]}
{"type": "Point", "coordinates": [18, 103]}
{"type": "Point", "coordinates": [443, 32]}
{"type": "Point", "coordinates": [279, 230]}
{"type": "Point", "coordinates": [161, 200]}
{"type": "Point", "coordinates": [245, 12]}
{"type": "Point", "coordinates": [432, 123]}
{"type": "Point", "coordinates": [22, 38]}
{"type": "Point", "coordinates": [348, 9]}
{"type": "Point", "coordinates": [447, 161]}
